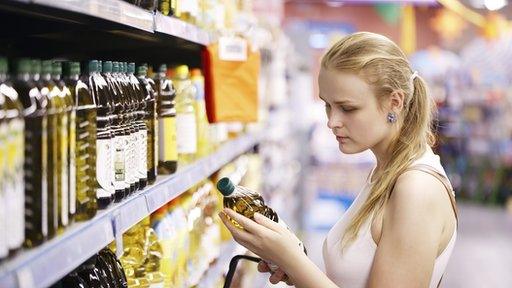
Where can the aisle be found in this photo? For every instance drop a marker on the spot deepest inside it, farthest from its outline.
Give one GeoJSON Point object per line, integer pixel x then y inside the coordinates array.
{"type": "Point", "coordinates": [483, 254]}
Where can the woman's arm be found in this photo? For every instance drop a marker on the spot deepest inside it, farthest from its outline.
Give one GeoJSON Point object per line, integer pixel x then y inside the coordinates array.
{"type": "Point", "coordinates": [411, 233]}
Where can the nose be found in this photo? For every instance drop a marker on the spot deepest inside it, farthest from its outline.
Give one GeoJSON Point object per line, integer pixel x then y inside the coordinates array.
{"type": "Point", "coordinates": [333, 121]}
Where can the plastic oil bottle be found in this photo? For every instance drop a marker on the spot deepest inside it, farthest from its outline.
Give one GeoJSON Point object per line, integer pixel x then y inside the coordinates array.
{"type": "Point", "coordinates": [104, 149]}
{"type": "Point", "coordinates": [142, 137]}
{"type": "Point", "coordinates": [203, 137]}
{"type": "Point", "coordinates": [186, 124]}
{"type": "Point", "coordinates": [4, 249]}
{"type": "Point", "coordinates": [36, 189]}
{"type": "Point", "coordinates": [85, 143]}
{"type": "Point", "coordinates": [150, 119]}
{"type": "Point", "coordinates": [167, 130]}
{"type": "Point", "coordinates": [134, 255]}
{"type": "Point", "coordinates": [14, 195]}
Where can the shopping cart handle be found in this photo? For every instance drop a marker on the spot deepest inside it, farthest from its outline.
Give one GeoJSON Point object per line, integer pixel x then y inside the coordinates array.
{"type": "Point", "coordinates": [232, 267]}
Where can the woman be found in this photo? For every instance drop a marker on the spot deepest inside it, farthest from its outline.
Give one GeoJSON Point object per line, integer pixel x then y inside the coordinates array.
{"type": "Point", "coordinates": [401, 229]}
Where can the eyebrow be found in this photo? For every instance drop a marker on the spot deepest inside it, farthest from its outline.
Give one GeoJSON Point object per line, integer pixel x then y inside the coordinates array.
{"type": "Point", "coordinates": [346, 102]}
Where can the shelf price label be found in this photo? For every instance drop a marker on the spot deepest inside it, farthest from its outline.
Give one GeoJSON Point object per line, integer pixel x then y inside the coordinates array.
{"type": "Point", "coordinates": [25, 278]}
{"type": "Point", "coordinates": [232, 49]}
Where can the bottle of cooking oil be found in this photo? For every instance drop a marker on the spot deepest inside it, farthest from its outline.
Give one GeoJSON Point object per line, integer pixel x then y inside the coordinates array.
{"type": "Point", "coordinates": [36, 193]}
{"type": "Point", "coordinates": [186, 124]}
{"type": "Point", "coordinates": [122, 188]}
{"type": "Point", "coordinates": [142, 138]}
{"type": "Point", "coordinates": [247, 202]}
{"type": "Point", "coordinates": [44, 85]}
{"type": "Point", "coordinates": [150, 119]}
{"type": "Point", "coordinates": [85, 143]}
{"type": "Point", "coordinates": [4, 250]}
{"type": "Point", "coordinates": [58, 101]}
{"type": "Point", "coordinates": [134, 256]}
{"type": "Point", "coordinates": [69, 109]}
{"type": "Point", "coordinates": [104, 148]}
{"type": "Point", "coordinates": [154, 256]}
{"type": "Point", "coordinates": [164, 7]}
{"type": "Point", "coordinates": [167, 130]}
{"type": "Point", "coordinates": [203, 137]}
{"type": "Point", "coordinates": [18, 104]}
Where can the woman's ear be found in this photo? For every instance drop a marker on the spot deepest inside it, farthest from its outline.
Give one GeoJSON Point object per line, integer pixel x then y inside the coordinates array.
{"type": "Point", "coordinates": [396, 101]}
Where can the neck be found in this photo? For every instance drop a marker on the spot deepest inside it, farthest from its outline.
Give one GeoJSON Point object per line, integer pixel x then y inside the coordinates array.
{"type": "Point", "coordinates": [382, 150]}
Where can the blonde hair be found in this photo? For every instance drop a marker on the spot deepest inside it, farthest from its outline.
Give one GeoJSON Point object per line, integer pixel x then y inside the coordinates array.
{"type": "Point", "coordinates": [385, 67]}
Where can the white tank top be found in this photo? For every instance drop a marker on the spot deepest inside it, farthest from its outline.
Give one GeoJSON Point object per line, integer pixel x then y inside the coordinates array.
{"type": "Point", "coordinates": [351, 269]}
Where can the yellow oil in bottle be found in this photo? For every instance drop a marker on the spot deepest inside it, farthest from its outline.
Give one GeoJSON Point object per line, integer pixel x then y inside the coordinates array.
{"type": "Point", "coordinates": [203, 137]}
{"type": "Point", "coordinates": [186, 123]}
{"type": "Point", "coordinates": [85, 135]}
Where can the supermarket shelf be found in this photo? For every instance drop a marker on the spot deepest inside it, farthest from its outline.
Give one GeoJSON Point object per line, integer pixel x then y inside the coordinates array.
{"type": "Point", "coordinates": [43, 266]}
{"type": "Point", "coordinates": [175, 27]}
{"type": "Point", "coordinates": [111, 10]}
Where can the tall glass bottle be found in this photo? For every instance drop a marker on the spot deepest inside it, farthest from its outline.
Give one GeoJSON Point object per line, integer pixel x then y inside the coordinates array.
{"type": "Point", "coordinates": [167, 138]}
{"type": "Point", "coordinates": [4, 249]}
{"type": "Point", "coordinates": [85, 108]}
{"type": "Point", "coordinates": [104, 149]}
{"type": "Point", "coordinates": [121, 185]}
{"type": "Point", "coordinates": [44, 85]}
{"type": "Point", "coordinates": [57, 98]}
{"type": "Point", "coordinates": [186, 124]}
{"type": "Point", "coordinates": [17, 105]}
{"type": "Point", "coordinates": [151, 122]}
{"type": "Point", "coordinates": [36, 190]}
{"type": "Point", "coordinates": [142, 138]}
{"type": "Point", "coordinates": [69, 109]}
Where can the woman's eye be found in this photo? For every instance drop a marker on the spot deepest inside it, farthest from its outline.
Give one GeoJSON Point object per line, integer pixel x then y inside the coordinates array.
{"type": "Point", "coordinates": [347, 109]}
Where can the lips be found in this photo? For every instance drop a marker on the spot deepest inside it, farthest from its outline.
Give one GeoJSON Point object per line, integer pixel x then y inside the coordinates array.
{"type": "Point", "coordinates": [341, 138]}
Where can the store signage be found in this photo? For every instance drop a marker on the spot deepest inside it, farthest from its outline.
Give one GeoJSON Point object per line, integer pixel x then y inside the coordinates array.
{"type": "Point", "coordinates": [232, 49]}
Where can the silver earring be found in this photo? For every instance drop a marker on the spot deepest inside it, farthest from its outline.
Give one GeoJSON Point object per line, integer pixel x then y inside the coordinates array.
{"type": "Point", "coordinates": [392, 117]}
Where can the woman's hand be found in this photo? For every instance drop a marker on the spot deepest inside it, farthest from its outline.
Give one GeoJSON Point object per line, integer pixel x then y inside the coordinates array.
{"type": "Point", "coordinates": [276, 276]}
{"type": "Point", "coordinates": [264, 237]}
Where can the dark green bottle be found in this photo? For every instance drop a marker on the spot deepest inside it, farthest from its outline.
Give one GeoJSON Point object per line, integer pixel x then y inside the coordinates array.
{"type": "Point", "coordinates": [151, 122]}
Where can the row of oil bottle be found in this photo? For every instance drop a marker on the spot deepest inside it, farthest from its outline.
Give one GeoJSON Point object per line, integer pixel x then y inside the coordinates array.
{"type": "Point", "coordinates": [173, 247]}
{"type": "Point", "coordinates": [75, 142]}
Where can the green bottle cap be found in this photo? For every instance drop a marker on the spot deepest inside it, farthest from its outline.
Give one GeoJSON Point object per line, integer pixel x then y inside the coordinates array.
{"type": "Point", "coordinates": [93, 66]}
{"type": "Point", "coordinates": [142, 71]}
{"type": "Point", "coordinates": [23, 66]}
{"type": "Point", "coordinates": [162, 68]}
{"type": "Point", "coordinates": [100, 66]}
{"type": "Point", "coordinates": [71, 68]}
{"type": "Point", "coordinates": [225, 186]}
{"type": "Point", "coordinates": [107, 67]}
{"type": "Point", "coordinates": [131, 68]}
{"type": "Point", "coordinates": [56, 68]}
{"type": "Point", "coordinates": [3, 65]}
{"type": "Point", "coordinates": [35, 65]}
{"type": "Point", "coordinates": [125, 67]}
{"type": "Point", "coordinates": [115, 67]}
{"type": "Point", "coordinates": [75, 68]}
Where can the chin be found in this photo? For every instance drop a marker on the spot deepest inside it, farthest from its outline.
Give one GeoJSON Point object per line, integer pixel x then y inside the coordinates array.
{"type": "Point", "coordinates": [351, 149]}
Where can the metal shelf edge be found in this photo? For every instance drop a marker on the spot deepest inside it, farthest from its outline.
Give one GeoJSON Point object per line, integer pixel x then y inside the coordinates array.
{"type": "Point", "coordinates": [178, 28]}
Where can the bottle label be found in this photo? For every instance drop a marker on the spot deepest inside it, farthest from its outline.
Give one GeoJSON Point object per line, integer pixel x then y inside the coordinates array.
{"type": "Point", "coordinates": [64, 146]}
{"type": "Point", "coordinates": [156, 145]}
{"type": "Point", "coordinates": [186, 133]}
{"type": "Point", "coordinates": [103, 164]}
{"type": "Point", "coordinates": [72, 162]}
{"type": "Point", "coordinates": [143, 162]}
{"type": "Point", "coordinates": [119, 162]}
{"type": "Point", "coordinates": [167, 140]}
{"type": "Point", "coordinates": [131, 163]}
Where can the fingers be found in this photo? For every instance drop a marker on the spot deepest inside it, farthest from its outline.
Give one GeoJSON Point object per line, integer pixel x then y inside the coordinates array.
{"type": "Point", "coordinates": [277, 276]}
{"type": "Point", "coordinates": [241, 236]}
{"type": "Point", "coordinates": [263, 267]}
{"type": "Point", "coordinates": [245, 222]}
{"type": "Point", "coordinates": [264, 221]}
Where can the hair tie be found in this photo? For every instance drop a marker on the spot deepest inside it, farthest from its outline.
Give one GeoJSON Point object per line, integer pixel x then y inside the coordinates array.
{"type": "Point", "coordinates": [414, 75]}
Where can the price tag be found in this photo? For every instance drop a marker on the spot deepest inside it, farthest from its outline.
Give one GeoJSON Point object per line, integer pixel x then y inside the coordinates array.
{"type": "Point", "coordinates": [25, 279]}
{"type": "Point", "coordinates": [232, 49]}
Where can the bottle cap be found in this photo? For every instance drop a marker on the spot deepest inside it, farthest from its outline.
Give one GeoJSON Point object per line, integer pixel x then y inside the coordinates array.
{"type": "Point", "coordinates": [35, 65]}
{"type": "Point", "coordinates": [100, 66]}
{"type": "Point", "coordinates": [124, 67]}
{"type": "Point", "coordinates": [115, 67]}
{"type": "Point", "coordinates": [142, 71]}
{"type": "Point", "coordinates": [75, 68]}
{"type": "Point", "coordinates": [56, 68]}
{"type": "Point", "coordinates": [131, 68]}
{"type": "Point", "coordinates": [46, 67]}
{"type": "Point", "coordinates": [23, 66]}
{"type": "Point", "coordinates": [107, 67]}
{"type": "Point", "coordinates": [92, 67]}
{"type": "Point", "coordinates": [182, 71]}
{"type": "Point", "coordinates": [225, 186]}
{"type": "Point", "coordinates": [162, 68]}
